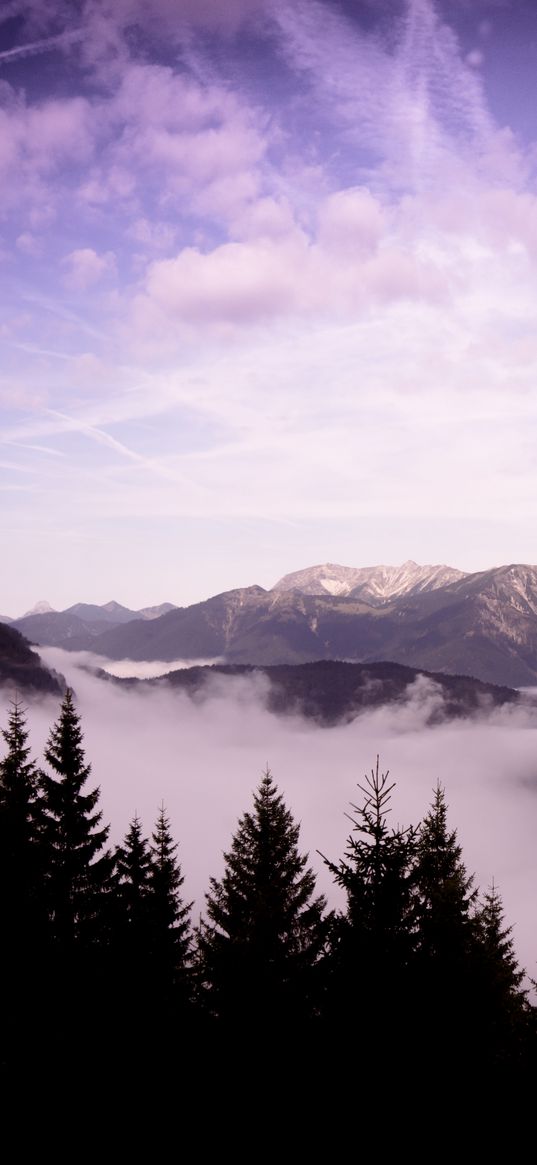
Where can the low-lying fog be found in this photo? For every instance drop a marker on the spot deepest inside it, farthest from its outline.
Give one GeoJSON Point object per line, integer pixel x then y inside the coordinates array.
{"type": "Point", "coordinates": [204, 759]}
{"type": "Point", "coordinates": [140, 669]}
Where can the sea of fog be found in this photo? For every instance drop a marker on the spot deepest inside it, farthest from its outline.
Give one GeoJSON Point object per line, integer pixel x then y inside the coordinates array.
{"type": "Point", "coordinates": [203, 759]}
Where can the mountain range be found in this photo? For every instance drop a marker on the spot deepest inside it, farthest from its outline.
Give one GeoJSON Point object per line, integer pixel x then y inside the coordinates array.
{"type": "Point", "coordinates": [77, 626]}
{"type": "Point", "coordinates": [376, 585]}
{"type": "Point", "coordinates": [435, 618]}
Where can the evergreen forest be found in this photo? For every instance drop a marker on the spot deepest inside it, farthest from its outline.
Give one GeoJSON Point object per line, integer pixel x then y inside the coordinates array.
{"type": "Point", "coordinates": [103, 958]}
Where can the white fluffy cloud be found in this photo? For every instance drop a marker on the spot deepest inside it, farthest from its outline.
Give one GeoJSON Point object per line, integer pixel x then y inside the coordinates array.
{"type": "Point", "coordinates": [84, 268]}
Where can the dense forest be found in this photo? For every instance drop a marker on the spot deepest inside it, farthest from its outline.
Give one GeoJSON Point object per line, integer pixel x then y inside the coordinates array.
{"type": "Point", "coordinates": [100, 948]}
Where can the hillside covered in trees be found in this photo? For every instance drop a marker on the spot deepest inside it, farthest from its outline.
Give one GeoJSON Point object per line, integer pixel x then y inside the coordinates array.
{"type": "Point", "coordinates": [22, 669]}
{"type": "Point", "coordinates": [100, 943]}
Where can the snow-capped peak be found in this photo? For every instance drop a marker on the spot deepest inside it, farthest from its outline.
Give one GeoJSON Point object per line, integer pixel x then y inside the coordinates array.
{"type": "Point", "coordinates": [41, 608]}
{"type": "Point", "coordinates": [373, 584]}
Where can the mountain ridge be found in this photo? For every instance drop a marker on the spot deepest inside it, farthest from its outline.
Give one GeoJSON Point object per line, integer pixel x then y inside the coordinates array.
{"type": "Point", "coordinates": [332, 692]}
{"type": "Point", "coordinates": [375, 584]}
{"type": "Point", "coordinates": [482, 624]}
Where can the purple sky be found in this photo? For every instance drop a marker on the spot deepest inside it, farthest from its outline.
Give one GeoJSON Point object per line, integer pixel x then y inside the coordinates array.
{"type": "Point", "coordinates": [269, 278]}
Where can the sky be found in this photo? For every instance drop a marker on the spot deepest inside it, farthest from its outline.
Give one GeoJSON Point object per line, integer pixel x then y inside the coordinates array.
{"type": "Point", "coordinates": [268, 291]}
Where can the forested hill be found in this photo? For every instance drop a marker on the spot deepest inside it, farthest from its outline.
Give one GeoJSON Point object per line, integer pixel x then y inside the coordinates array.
{"type": "Point", "coordinates": [21, 668]}
{"type": "Point", "coordinates": [332, 692]}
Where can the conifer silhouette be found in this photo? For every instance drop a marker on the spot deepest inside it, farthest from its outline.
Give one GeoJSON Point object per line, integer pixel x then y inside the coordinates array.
{"type": "Point", "coordinates": [169, 915]}
{"type": "Point", "coordinates": [266, 930]}
{"type": "Point", "coordinates": [79, 875]}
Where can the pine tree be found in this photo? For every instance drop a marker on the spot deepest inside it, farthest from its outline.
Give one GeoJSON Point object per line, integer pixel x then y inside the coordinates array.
{"type": "Point", "coordinates": [446, 891]}
{"type": "Point", "coordinates": [508, 1020]}
{"type": "Point", "coordinates": [374, 940]}
{"type": "Point", "coordinates": [133, 874]}
{"type": "Point", "coordinates": [22, 907]}
{"type": "Point", "coordinates": [497, 941]}
{"type": "Point", "coordinates": [21, 850]}
{"type": "Point", "coordinates": [133, 867]}
{"type": "Point", "coordinates": [266, 932]}
{"type": "Point", "coordinates": [131, 936]}
{"type": "Point", "coordinates": [170, 929]}
{"type": "Point", "coordinates": [78, 877]}
{"type": "Point", "coordinates": [447, 962]}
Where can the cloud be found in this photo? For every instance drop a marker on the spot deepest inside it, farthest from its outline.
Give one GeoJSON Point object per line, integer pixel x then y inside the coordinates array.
{"type": "Point", "coordinates": [36, 142]}
{"type": "Point", "coordinates": [85, 268]}
{"type": "Point", "coordinates": [28, 244]}
{"type": "Point", "coordinates": [409, 102]}
{"type": "Point", "coordinates": [282, 273]}
{"type": "Point", "coordinates": [153, 236]}
{"type": "Point", "coordinates": [146, 671]}
{"type": "Point", "coordinates": [352, 221]}
{"type": "Point", "coordinates": [36, 47]}
{"type": "Point", "coordinates": [235, 282]}
{"type": "Point", "coordinates": [475, 58]}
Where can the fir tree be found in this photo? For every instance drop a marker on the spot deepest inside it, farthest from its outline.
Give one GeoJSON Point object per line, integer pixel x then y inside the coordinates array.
{"type": "Point", "coordinates": [447, 961]}
{"type": "Point", "coordinates": [508, 1020]}
{"type": "Point", "coordinates": [22, 907]}
{"type": "Point", "coordinates": [374, 940]}
{"type": "Point", "coordinates": [169, 921]}
{"type": "Point", "coordinates": [78, 877]}
{"type": "Point", "coordinates": [21, 850]}
{"type": "Point", "coordinates": [446, 891]}
{"type": "Point", "coordinates": [133, 867]}
{"type": "Point", "coordinates": [266, 932]}
{"type": "Point", "coordinates": [132, 925]}
{"type": "Point", "coordinates": [131, 934]}
{"type": "Point", "coordinates": [497, 941]}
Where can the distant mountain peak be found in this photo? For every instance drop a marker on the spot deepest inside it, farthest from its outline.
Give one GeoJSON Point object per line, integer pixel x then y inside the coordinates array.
{"type": "Point", "coordinates": [376, 585]}
{"type": "Point", "coordinates": [42, 607]}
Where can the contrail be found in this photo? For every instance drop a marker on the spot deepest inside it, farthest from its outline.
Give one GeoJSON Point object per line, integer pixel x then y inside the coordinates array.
{"type": "Point", "coordinates": [41, 46]}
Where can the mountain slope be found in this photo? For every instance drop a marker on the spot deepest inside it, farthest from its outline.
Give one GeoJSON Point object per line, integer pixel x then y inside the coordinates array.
{"type": "Point", "coordinates": [59, 629]}
{"type": "Point", "coordinates": [202, 631]}
{"type": "Point", "coordinates": [21, 668]}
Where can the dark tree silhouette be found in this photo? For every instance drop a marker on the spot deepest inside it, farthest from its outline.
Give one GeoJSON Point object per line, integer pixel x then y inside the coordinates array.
{"type": "Point", "coordinates": [266, 933]}
{"type": "Point", "coordinates": [497, 943]}
{"type": "Point", "coordinates": [169, 921]}
{"type": "Point", "coordinates": [447, 962]}
{"type": "Point", "coordinates": [131, 928]}
{"type": "Point", "coordinates": [508, 1026]}
{"type": "Point", "coordinates": [446, 890]}
{"type": "Point", "coordinates": [133, 867]}
{"type": "Point", "coordinates": [374, 940]}
{"type": "Point", "coordinates": [23, 915]}
{"type": "Point", "coordinates": [78, 878]}
{"type": "Point", "coordinates": [21, 858]}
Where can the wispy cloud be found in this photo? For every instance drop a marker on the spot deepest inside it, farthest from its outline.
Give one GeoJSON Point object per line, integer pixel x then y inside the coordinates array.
{"type": "Point", "coordinates": [73, 425]}
{"type": "Point", "coordinates": [46, 44]}
{"type": "Point", "coordinates": [35, 448]}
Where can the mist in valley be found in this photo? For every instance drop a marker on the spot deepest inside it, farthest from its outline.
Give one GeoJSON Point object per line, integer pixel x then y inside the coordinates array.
{"type": "Point", "coordinates": [203, 758]}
